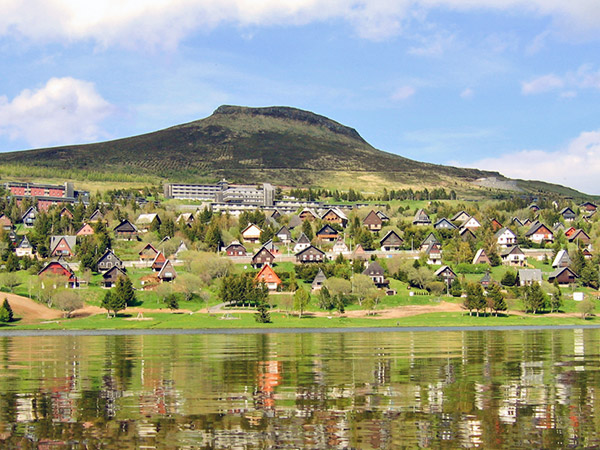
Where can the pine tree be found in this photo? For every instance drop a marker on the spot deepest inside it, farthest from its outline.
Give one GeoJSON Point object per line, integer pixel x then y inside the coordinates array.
{"type": "Point", "coordinates": [263, 315]}
{"type": "Point", "coordinates": [496, 301]}
{"type": "Point", "coordinates": [9, 310]}
{"type": "Point", "coordinates": [308, 230]}
{"type": "Point", "coordinates": [124, 290]}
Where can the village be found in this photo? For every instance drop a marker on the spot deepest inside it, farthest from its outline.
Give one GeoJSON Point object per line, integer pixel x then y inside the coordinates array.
{"type": "Point", "coordinates": [107, 252]}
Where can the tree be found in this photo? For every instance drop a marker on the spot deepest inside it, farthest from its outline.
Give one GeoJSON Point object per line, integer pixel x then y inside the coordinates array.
{"type": "Point", "coordinates": [475, 299]}
{"type": "Point", "coordinates": [362, 287]}
{"type": "Point", "coordinates": [188, 284]}
{"type": "Point", "coordinates": [9, 310]}
{"type": "Point", "coordinates": [509, 278]}
{"type": "Point", "coordinates": [495, 299]}
{"type": "Point", "coordinates": [556, 300]}
{"type": "Point", "coordinates": [4, 315]}
{"type": "Point", "coordinates": [124, 290]}
{"type": "Point", "coordinates": [456, 288]}
{"type": "Point", "coordinates": [172, 302]}
{"type": "Point", "coordinates": [325, 300]}
{"type": "Point", "coordinates": [10, 280]}
{"type": "Point", "coordinates": [586, 307]}
{"type": "Point", "coordinates": [308, 230]}
{"type": "Point", "coordinates": [12, 263]}
{"type": "Point", "coordinates": [262, 315]}
{"type": "Point", "coordinates": [535, 299]}
{"type": "Point", "coordinates": [112, 302]}
{"type": "Point", "coordinates": [301, 299]}
{"type": "Point", "coordinates": [67, 300]}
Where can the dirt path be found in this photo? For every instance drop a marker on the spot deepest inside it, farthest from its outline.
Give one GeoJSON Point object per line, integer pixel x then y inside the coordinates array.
{"type": "Point", "coordinates": [28, 310]}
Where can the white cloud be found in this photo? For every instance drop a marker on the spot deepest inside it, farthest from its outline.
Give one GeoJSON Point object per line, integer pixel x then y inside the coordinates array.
{"type": "Point", "coordinates": [166, 22]}
{"type": "Point", "coordinates": [434, 45]}
{"type": "Point", "coordinates": [576, 166]}
{"type": "Point", "coordinates": [467, 93]}
{"type": "Point", "coordinates": [404, 92]}
{"type": "Point", "coordinates": [64, 111]}
{"type": "Point", "coordinates": [542, 84]}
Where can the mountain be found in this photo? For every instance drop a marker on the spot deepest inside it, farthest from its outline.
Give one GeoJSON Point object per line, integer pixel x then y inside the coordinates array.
{"type": "Point", "coordinates": [280, 145]}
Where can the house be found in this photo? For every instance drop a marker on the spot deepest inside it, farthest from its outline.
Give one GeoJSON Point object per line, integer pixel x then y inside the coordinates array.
{"type": "Point", "coordinates": [167, 272]}
{"type": "Point", "coordinates": [539, 233]}
{"type": "Point", "coordinates": [513, 256]}
{"type": "Point", "coordinates": [268, 276]}
{"type": "Point", "coordinates": [444, 224]}
{"type": "Point", "coordinates": [339, 246]}
{"type": "Point", "coordinates": [62, 245]}
{"type": "Point", "coordinates": [65, 212]}
{"type": "Point", "coordinates": [460, 217]}
{"type": "Point", "coordinates": [481, 257]}
{"type": "Point", "coordinates": [526, 277]}
{"type": "Point", "coordinates": [335, 215]}
{"type": "Point", "coordinates": [148, 253]}
{"type": "Point", "coordinates": [251, 234]}
{"type": "Point", "coordinates": [527, 223]}
{"type": "Point", "coordinates": [327, 233]}
{"type": "Point", "coordinates": [96, 216]}
{"type": "Point", "coordinates": [109, 278]}
{"type": "Point", "coordinates": [472, 224]}
{"type": "Point", "coordinates": [359, 254]}
{"type": "Point", "coordinates": [430, 239]}
{"type": "Point", "coordinates": [517, 222]}
{"type": "Point", "coordinates": [158, 261]}
{"type": "Point", "coordinates": [588, 207]}
{"type": "Point", "coordinates": [145, 222]}
{"type": "Point", "coordinates": [85, 230]}
{"type": "Point", "coordinates": [108, 260]}
{"type": "Point", "coordinates": [564, 275]}
{"type": "Point", "coordinates": [235, 249]}
{"type": "Point", "coordinates": [587, 254]}
{"type": "Point", "coordinates": [562, 259]}
{"type": "Point", "coordinates": [284, 235]}
{"type": "Point", "coordinates": [568, 214]}
{"type": "Point", "coordinates": [559, 226]}
{"type": "Point", "coordinates": [382, 216]}
{"type": "Point", "coordinates": [182, 247]}
{"type": "Point", "coordinates": [373, 222]}
{"type": "Point", "coordinates": [310, 254]}
{"type": "Point", "coordinates": [377, 274]}
{"type": "Point", "coordinates": [580, 237]}
{"type": "Point", "coordinates": [185, 219]}
{"type": "Point", "coordinates": [318, 281]}
{"type": "Point", "coordinates": [391, 242]}
{"type": "Point", "coordinates": [302, 243]}
{"type": "Point", "coordinates": [294, 222]}
{"type": "Point", "coordinates": [533, 207]}
{"type": "Point", "coordinates": [275, 215]}
{"type": "Point", "coordinates": [60, 268]}
{"type": "Point", "coordinates": [270, 245]}
{"type": "Point", "coordinates": [434, 253]}
{"type": "Point", "coordinates": [28, 218]}
{"type": "Point", "coordinates": [569, 231]}
{"type": "Point", "coordinates": [505, 238]}
{"type": "Point", "coordinates": [5, 222]}
{"type": "Point", "coordinates": [466, 234]}
{"type": "Point", "coordinates": [308, 214]}
{"type": "Point", "coordinates": [486, 280]}
{"type": "Point", "coordinates": [24, 248]}
{"type": "Point", "coordinates": [445, 274]}
{"type": "Point", "coordinates": [496, 225]}
{"type": "Point", "coordinates": [126, 230]}
{"type": "Point", "coordinates": [421, 218]}
{"type": "Point", "coordinates": [261, 257]}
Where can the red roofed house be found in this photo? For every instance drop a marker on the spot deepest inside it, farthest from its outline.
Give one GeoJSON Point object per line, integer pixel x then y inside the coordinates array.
{"type": "Point", "coordinates": [268, 276]}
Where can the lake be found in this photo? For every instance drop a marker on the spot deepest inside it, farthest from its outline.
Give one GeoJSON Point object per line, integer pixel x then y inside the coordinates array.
{"type": "Point", "coordinates": [379, 390]}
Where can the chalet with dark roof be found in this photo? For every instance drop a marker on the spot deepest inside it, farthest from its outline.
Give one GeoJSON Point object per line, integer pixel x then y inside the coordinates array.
{"type": "Point", "coordinates": [588, 207]}
{"type": "Point", "coordinates": [108, 260]}
{"type": "Point", "coordinates": [377, 274]}
{"type": "Point", "coordinates": [66, 212]}
{"type": "Point", "coordinates": [24, 248]}
{"type": "Point", "coordinates": [486, 280]}
{"type": "Point", "coordinates": [373, 222]}
{"type": "Point", "coordinates": [382, 216]}
{"type": "Point", "coordinates": [148, 253]}
{"type": "Point", "coordinates": [308, 214]}
{"type": "Point", "coordinates": [235, 249]}
{"type": "Point", "coordinates": [96, 216]}
{"type": "Point", "coordinates": [110, 277]}
{"type": "Point", "coordinates": [481, 257]}
{"type": "Point", "coordinates": [126, 230]}
{"type": "Point", "coordinates": [430, 239]}
{"type": "Point", "coordinates": [517, 222]}
{"type": "Point", "coordinates": [421, 218]}
{"type": "Point", "coordinates": [327, 233]}
{"type": "Point", "coordinates": [445, 274]}
{"type": "Point", "coordinates": [539, 233]}
{"type": "Point", "coordinates": [444, 224]}
{"type": "Point", "coordinates": [167, 272]}
{"type": "Point", "coordinates": [434, 253]}
{"type": "Point", "coordinates": [62, 269]}
{"type": "Point", "coordinates": [335, 215]}
{"type": "Point", "coordinates": [513, 256]}
{"type": "Point", "coordinates": [310, 255]}
{"type": "Point", "coordinates": [564, 276]}
{"type": "Point", "coordinates": [568, 214]}
{"type": "Point", "coordinates": [580, 237]}
{"type": "Point", "coordinates": [302, 243]}
{"type": "Point", "coordinates": [261, 257]}
{"type": "Point", "coordinates": [466, 234]}
{"type": "Point", "coordinates": [391, 242]}
{"type": "Point", "coordinates": [284, 235]}
{"type": "Point", "coordinates": [460, 217]}
{"type": "Point", "coordinates": [318, 281]}
{"type": "Point", "coordinates": [29, 217]}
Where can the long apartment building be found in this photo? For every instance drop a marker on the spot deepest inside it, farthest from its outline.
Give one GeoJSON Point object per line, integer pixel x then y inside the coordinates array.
{"type": "Point", "coordinates": [223, 193]}
{"type": "Point", "coordinates": [46, 194]}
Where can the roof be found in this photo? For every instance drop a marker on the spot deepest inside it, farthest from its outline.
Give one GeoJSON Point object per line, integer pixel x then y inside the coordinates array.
{"type": "Point", "coordinates": [235, 243]}
{"type": "Point", "coordinates": [458, 215]}
{"type": "Point", "coordinates": [535, 227]}
{"type": "Point", "coordinates": [249, 226]}
{"type": "Point", "coordinates": [294, 221]}
{"type": "Point", "coordinates": [268, 275]}
{"type": "Point", "coordinates": [107, 252]}
{"type": "Point", "coordinates": [391, 234]}
{"type": "Point", "coordinates": [430, 239]}
{"type": "Point", "coordinates": [373, 269]}
{"type": "Point", "coordinates": [110, 273]}
{"type": "Point", "coordinates": [69, 240]}
{"type": "Point", "coordinates": [125, 227]}
{"type": "Point", "coordinates": [166, 266]}
{"type": "Point", "coordinates": [32, 210]}
{"type": "Point", "coordinates": [487, 278]}
{"type": "Point", "coordinates": [373, 219]}
{"type": "Point", "coordinates": [442, 269]}
{"type": "Point", "coordinates": [338, 212]}
{"type": "Point", "coordinates": [311, 248]}
{"type": "Point", "coordinates": [303, 239]}
{"type": "Point", "coordinates": [443, 220]}
{"type": "Point", "coordinates": [327, 230]}
{"type": "Point", "coordinates": [480, 254]}
{"type": "Point", "coordinates": [25, 243]}
{"type": "Point", "coordinates": [285, 231]}
{"type": "Point", "coordinates": [421, 216]}
{"type": "Point", "coordinates": [567, 210]}
{"type": "Point", "coordinates": [319, 278]}
{"type": "Point", "coordinates": [559, 271]}
{"type": "Point", "coordinates": [530, 275]}
{"type": "Point", "coordinates": [561, 257]}
{"type": "Point", "coordinates": [510, 250]}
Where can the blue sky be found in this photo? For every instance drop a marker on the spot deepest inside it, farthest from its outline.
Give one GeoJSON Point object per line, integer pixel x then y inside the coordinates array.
{"type": "Point", "coordinates": [508, 85]}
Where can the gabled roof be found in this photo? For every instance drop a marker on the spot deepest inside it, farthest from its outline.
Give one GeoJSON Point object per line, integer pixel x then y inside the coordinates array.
{"type": "Point", "coordinates": [96, 215]}
{"type": "Point", "coordinates": [461, 215]}
{"type": "Point", "coordinates": [249, 227]}
{"type": "Point", "coordinates": [303, 239]}
{"type": "Point", "coordinates": [579, 234]}
{"type": "Point", "coordinates": [25, 243]}
{"type": "Point", "coordinates": [5, 221]}
{"type": "Point", "coordinates": [515, 249]}
{"type": "Point", "coordinates": [61, 263]}
{"type": "Point", "coordinates": [422, 217]}
{"type": "Point", "coordinates": [327, 230]}
{"type": "Point", "coordinates": [537, 226]}
{"type": "Point", "coordinates": [310, 211]}
{"type": "Point", "coordinates": [106, 253]}
{"type": "Point", "coordinates": [359, 253]}
{"type": "Point", "coordinates": [518, 222]}
{"type": "Point", "coordinates": [374, 269]}
{"type": "Point", "coordinates": [338, 212]}
{"type": "Point", "coordinates": [32, 210]}
{"type": "Point", "coordinates": [467, 233]}
{"type": "Point", "coordinates": [148, 246]}
{"type": "Point", "coordinates": [83, 227]}
{"type": "Point", "coordinates": [430, 239]}
{"type": "Point", "coordinates": [562, 258]}
{"type": "Point", "coordinates": [159, 260]}
{"type": "Point", "coordinates": [69, 240]}
{"type": "Point", "coordinates": [167, 266]}
{"type": "Point", "coordinates": [372, 219]}
{"type": "Point", "coordinates": [444, 223]}
{"type": "Point", "coordinates": [113, 273]}
{"type": "Point", "coordinates": [530, 275]}
{"type": "Point", "coordinates": [311, 248]}
{"type": "Point", "coordinates": [284, 231]}
{"type": "Point", "coordinates": [558, 226]}
{"type": "Point", "coordinates": [443, 269]}
{"type": "Point", "coordinates": [294, 222]}
{"type": "Point", "coordinates": [480, 255]}
{"type": "Point", "coordinates": [567, 211]}
{"type": "Point", "coordinates": [434, 247]}
{"type": "Point", "coordinates": [391, 235]}
{"type": "Point", "coordinates": [268, 275]}
{"type": "Point", "coordinates": [235, 243]}
{"type": "Point", "coordinates": [486, 279]}
{"type": "Point", "coordinates": [147, 219]}
{"type": "Point", "coordinates": [382, 216]}
{"type": "Point", "coordinates": [262, 250]}
{"type": "Point", "coordinates": [320, 278]}
{"type": "Point", "coordinates": [501, 231]}
{"type": "Point", "coordinates": [125, 227]}
{"type": "Point", "coordinates": [559, 271]}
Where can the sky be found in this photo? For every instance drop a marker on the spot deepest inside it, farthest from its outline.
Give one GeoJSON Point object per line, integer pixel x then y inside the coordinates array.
{"type": "Point", "coordinates": [506, 85]}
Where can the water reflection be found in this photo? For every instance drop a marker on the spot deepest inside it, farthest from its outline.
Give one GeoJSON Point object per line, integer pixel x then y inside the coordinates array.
{"type": "Point", "coordinates": [487, 389]}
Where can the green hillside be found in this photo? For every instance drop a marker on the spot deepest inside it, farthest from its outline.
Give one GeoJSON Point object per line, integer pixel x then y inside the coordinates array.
{"type": "Point", "coordinates": [281, 145]}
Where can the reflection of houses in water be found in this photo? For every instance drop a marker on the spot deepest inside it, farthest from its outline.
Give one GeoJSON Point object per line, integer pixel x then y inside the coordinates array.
{"type": "Point", "coordinates": [64, 408]}
{"type": "Point", "coordinates": [162, 400]}
{"type": "Point", "coordinates": [470, 431]}
{"type": "Point", "coordinates": [268, 377]}
{"type": "Point", "coordinates": [111, 393]}
{"type": "Point", "coordinates": [24, 406]}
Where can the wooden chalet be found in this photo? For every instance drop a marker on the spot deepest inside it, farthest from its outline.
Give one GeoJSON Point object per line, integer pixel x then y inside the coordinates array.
{"type": "Point", "coordinates": [310, 255]}
{"type": "Point", "coordinates": [539, 233]}
{"type": "Point", "coordinates": [148, 253]}
{"type": "Point", "coordinates": [377, 274]}
{"type": "Point", "coordinates": [481, 257]}
{"type": "Point", "coordinates": [373, 222]}
{"type": "Point", "coordinates": [261, 257]}
{"type": "Point", "coordinates": [339, 246]}
{"type": "Point", "coordinates": [126, 230]}
{"type": "Point", "coordinates": [382, 216]}
{"type": "Point", "coordinates": [460, 217]}
{"type": "Point", "coordinates": [268, 276]}
{"type": "Point", "coordinates": [580, 237]}
{"type": "Point", "coordinates": [158, 261]}
{"type": "Point", "coordinates": [486, 280]}
{"type": "Point", "coordinates": [24, 248]}
{"type": "Point", "coordinates": [527, 277]}
{"type": "Point", "coordinates": [85, 230]}
{"type": "Point", "coordinates": [568, 214]}
{"type": "Point", "coordinates": [270, 245]}
{"type": "Point", "coordinates": [513, 256]}
{"type": "Point", "coordinates": [335, 215]}
{"type": "Point", "coordinates": [327, 233]}
{"type": "Point", "coordinates": [444, 224]}
{"type": "Point", "coordinates": [62, 269]}
{"type": "Point", "coordinates": [562, 259]}
{"type": "Point", "coordinates": [587, 254]}
{"type": "Point", "coordinates": [359, 254]}
{"type": "Point", "coordinates": [235, 249]}
{"type": "Point", "coordinates": [421, 218]}
{"type": "Point", "coordinates": [472, 223]}
{"type": "Point", "coordinates": [110, 277]}
{"type": "Point", "coordinates": [62, 245]}
{"type": "Point", "coordinates": [517, 222]}
{"type": "Point", "coordinates": [302, 243]}
{"type": "Point", "coordinates": [96, 216]}
{"type": "Point", "coordinates": [284, 235]}
{"type": "Point", "coordinates": [564, 276]}
{"type": "Point", "coordinates": [185, 219]}
{"type": "Point", "coordinates": [167, 272]}
{"type": "Point", "coordinates": [308, 214]}
{"type": "Point", "coordinates": [251, 234]}
{"type": "Point", "coordinates": [108, 260]}
{"type": "Point", "coordinates": [445, 274]}
{"type": "Point", "coordinates": [559, 226]}
{"type": "Point", "coordinates": [5, 222]}
{"type": "Point", "coordinates": [146, 222]}
{"type": "Point", "coordinates": [29, 217]}
{"type": "Point", "coordinates": [496, 225]}
{"type": "Point", "coordinates": [391, 242]}
{"type": "Point", "coordinates": [429, 239]}
{"type": "Point", "coordinates": [466, 234]}
{"type": "Point", "coordinates": [434, 253]}
{"type": "Point", "coordinates": [318, 281]}
{"type": "Point", "coordinates": [588, 207]}
{"type": "Point", "coordinates": [66, 212]}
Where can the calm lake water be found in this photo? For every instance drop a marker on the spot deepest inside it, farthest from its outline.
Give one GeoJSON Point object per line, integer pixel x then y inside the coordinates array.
{"type": "Point", "coordinates": [486, 389]}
